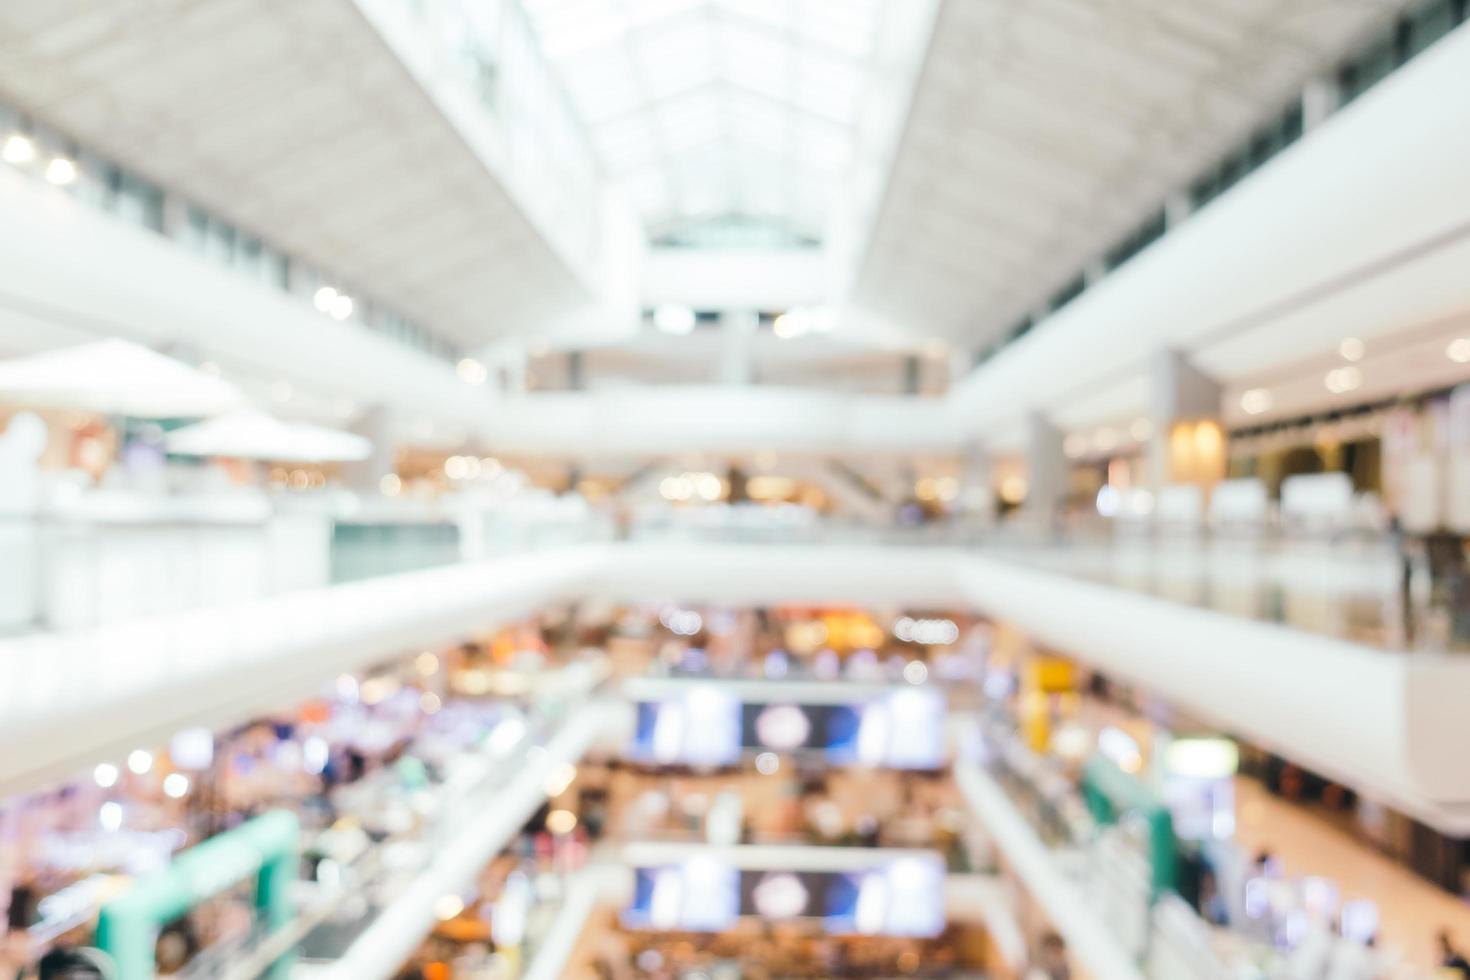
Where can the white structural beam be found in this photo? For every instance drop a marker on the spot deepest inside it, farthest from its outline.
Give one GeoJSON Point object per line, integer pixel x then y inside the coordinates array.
{"type": "Point", "coordinates": [1085, 932]}
{"type": "Point", "coordinates": [735, 278]}
{"type": "Point", "coordinates": [713, 419]}
{"type": "Point", "coordinates": [378, 953]}
{"type": "Point", "coordinates": [71, 699]}
{"type": "Point", "coordinates": [1381, 722]}
{"type": "Point", "coordinates": [775, 574]}
{"type": "Point", "coordinates": [70, 274]}
{"type": "Point", "coordinates": [1389, 725]}
{"type": "Point", "coordinates": [1280, 267]}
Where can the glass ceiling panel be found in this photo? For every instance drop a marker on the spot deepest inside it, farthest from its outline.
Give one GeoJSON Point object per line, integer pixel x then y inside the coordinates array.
{"type": "Point", "coordinates": [717, 109]}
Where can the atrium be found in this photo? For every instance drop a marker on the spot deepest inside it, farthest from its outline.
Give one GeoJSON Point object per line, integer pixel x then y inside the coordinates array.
{"type": "Point", "coordinates": [734, 489]}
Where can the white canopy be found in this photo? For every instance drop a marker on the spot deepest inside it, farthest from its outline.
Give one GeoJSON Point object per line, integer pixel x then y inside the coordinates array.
{"type": "Point", "coordinates": [250, 434]}
{"type": "Point", "coordinates": [115, 377]}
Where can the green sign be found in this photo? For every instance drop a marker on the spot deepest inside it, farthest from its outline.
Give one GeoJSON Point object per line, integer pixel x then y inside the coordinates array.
{"type": "Point", "coordinates": [1110, 792]}
{"type": "Point", "coordinates": [266, 847]}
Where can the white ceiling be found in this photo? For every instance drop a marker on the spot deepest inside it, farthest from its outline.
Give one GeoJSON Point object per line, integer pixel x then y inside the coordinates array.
{"type": "Point", "coordinates": [718, 109]}
{"type": "Point", "coordinates": [295, 122]}
{"type": "Point", "coordinates": [1042, 133]}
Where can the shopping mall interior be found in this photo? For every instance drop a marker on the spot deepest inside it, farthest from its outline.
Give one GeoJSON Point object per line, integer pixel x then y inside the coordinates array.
{"type": "Point", "coordinates": [964, 489]}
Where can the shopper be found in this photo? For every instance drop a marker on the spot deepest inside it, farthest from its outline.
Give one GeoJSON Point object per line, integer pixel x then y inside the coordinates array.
{"type": "Point", "coordinates": [1354, 961]}
{"type": "Point", "coordinates": [1051, 960]}
{"type": "Point", "coordinates": [74, 964]}
{"type": "Point", "coordinates": [1450, 958]}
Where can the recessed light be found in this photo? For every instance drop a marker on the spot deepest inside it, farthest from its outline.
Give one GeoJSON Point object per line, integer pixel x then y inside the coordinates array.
{"type": "Point", "coordinates": [1255, 401]}
{"type": "Point", "coordinates": [1459, 350]}
{"type": "Point", "coordinates": [1342, 380]}
{"type": "Point", "coordinates": [677, 320]}
{"type": "Point", "coordinates": [324, 298]}
{"type": "Point", "coordinates": [1352, 349]}
{"type": "Point", "coordinates": [471, 371]}
{"type": "Point", "coordinates": [788, 325]}
{"type": "Point", "coordinates": [18, 149]}
{"type": "Point", "coordinates": [61, 171]}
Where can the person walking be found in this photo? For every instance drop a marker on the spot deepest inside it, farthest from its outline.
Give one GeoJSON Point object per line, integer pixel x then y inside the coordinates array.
{"type": "Point", "coordinates": [1451, 961]}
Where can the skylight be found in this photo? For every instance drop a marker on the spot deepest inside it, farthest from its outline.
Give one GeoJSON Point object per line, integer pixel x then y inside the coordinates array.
{"type": "Point", "coordinates": [743, 111]}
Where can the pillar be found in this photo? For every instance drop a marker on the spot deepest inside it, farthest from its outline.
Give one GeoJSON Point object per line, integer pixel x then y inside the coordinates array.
{"type": "Point", "coordinates": [365, 476]}
{"type": "Point", "coordinates": [1046, 470]}
{"type": "Point", "coordinates": [576, 371]}
{"type": "Point", "coordinates": [1179, 393]}
{"type": "Point", "coordinates": [977, 490]}
{"type": "Point", "coordinates": [1320, 99]}
{"type": "Point", "coordinates": [1177, 209]}
{"type": "Point", "coordinates": [913, 374]}
{"type": "Point", "coordinates": [737, 357]}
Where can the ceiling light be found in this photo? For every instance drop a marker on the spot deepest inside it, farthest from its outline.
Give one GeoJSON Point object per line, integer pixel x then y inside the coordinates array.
{"type": "Point", "coordinates": [676, 320]}
{"type": "Point", "coordinates": [105, 775]}
{"type": "Point", "coordinates": [1255, 401]}
{"type": "Point", "coordinates": [139, 762]}
{"type": "Point", "coordinates": [18, 149]}
{"type": "Point", "coordinates": [1351, 349]}
{"type": "Point", "coordinates": [560, 779]}
{"type": "Point", "coordinates": [341, 307]}
{"type": "Point", "coordinates": [471, 371]}
{"type": "Point", "coordinates": [1013, 489]}
{"type": "Point", "coordinates": [61, 171]}
{"type": "Point", "coordinates": [110, 816]}
{"type": "Point", "coordinates": [324, 299]}
{"type": "Point", "coordinates": [788, 325]}
{"type": "Point", "coordinates": [1342, 380]}
{"type": "Point", "coordinates": [176, 785]}
{"type": "Point", "coordinates": [390, 485]}
{"type": "Point", "coordinates": [447, 907]}
{"type": "Point", "coordinates": [1459, 350]}
{"type": "Point", "coordinates": [561, 822]}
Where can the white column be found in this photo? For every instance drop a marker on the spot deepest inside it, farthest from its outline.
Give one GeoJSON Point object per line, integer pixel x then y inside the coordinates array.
{"type": "Point", "coordinates": [365, 476]}
{"type": "Point", "coordinates": [1046, 470]}
{"type": "Point", "coordinates": [1178, 391]}
{"type": "Point", "coordinates": [977, 494]}
{"type": "Point", "coordinates": [737, 358]}
{"type": "Point", "coordinates": [1177, 209]}
{"type": "Point", "coordinates": [1320, 99]}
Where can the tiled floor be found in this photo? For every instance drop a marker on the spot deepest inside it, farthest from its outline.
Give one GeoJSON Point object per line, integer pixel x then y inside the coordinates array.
{"type": "Point", "coordinates": [1412, 909]}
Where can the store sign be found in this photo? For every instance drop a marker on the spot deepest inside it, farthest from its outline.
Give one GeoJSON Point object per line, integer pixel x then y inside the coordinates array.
{"type": "Point", "coordinates": [1199, 786]}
